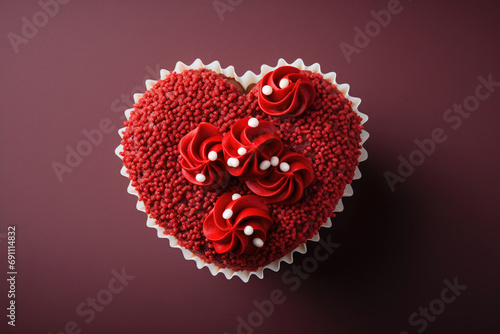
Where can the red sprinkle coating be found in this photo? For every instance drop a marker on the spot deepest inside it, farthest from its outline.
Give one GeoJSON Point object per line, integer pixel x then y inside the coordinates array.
{"type": "Point", "coordinates": [328, 134]}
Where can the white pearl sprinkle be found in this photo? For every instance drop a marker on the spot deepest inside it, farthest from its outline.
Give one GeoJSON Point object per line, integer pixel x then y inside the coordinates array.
{"type": "Point", "coordinates": [267, 90]}
{"type": "Point", "coordinates": [265, 164]}
{"type": "Point", "coordinates": [201, 178]}
{"type": "Point", "coordinates": [275, 161]}
{"type": "Point", "coordinates": [258, 242]}
{"type": "Point", "coordinates": [233, 162]}
{"type": "Point", "coordinates": [242, 151]}
{"type": "Point", "coordinates": [284, 83]}
{"type": "Point", "coordinates": [212, 156]}
{"type": "Point", "coordinates": [248, 230]}
{"type": "Point", "coordinates": [235, 196]}
{"type": "Point", "coordinates": [284, 167]}
{"type": "Point", "coordinates": [228, 213]}
{"type": "Point", "coordinates": [253, 122]}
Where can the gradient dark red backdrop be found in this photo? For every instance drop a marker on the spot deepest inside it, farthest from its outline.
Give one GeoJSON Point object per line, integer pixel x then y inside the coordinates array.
{"type": "Point", "coordinates": [74, 73]}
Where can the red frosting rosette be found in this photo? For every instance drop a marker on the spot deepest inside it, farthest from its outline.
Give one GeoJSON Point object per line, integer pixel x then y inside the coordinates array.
{"type": "Point", "coordinates": [202, 160]}
{"type": "Point", "coordinates": [249, 147]}
{"type": "Point", "coordinates": [238, 224]}
{"type": "Point", "coordinates": [286, 182]}
{"type": "Point", "coordinates": [285, 92]}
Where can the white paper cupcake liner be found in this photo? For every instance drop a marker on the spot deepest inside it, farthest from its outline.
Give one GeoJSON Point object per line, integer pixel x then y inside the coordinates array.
{"type": "Point", "coordinates": [246, 80]}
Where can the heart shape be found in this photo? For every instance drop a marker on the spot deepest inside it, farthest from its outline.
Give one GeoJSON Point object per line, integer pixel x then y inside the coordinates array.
{"type": "Point", "coordinates": [328, 133]}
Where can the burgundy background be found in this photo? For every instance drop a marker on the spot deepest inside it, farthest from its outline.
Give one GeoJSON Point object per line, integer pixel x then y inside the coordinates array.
{"type": "Point", "coordinates": [397, 248]}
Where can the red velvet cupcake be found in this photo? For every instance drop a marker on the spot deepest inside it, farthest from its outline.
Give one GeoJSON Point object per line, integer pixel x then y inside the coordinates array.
{"type": "Point", "coordinates": [240, 172]}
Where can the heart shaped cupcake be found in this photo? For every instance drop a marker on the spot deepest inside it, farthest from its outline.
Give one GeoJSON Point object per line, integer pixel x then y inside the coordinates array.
{"type": "Point", "coordinates": [240, 172]}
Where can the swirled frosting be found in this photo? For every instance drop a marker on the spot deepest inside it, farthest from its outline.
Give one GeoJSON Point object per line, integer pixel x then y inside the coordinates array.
{"type": "Point", "coordinates": [249, 146]}
{"type": "Point", "coordinates": [237, 224]}
{"type": "Point", "coordinates": [202, 160]}
{"type": "Point", "coordinates": [286, 182]}
{"type": "Point", "coordinates": [285, 92]}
